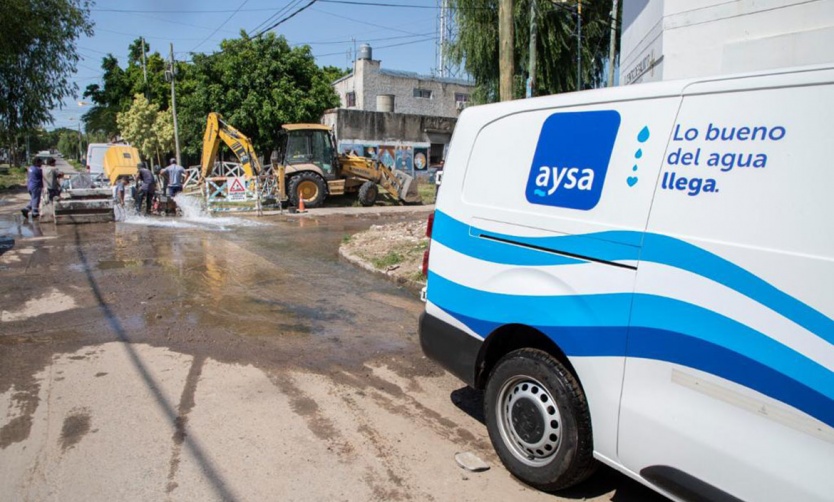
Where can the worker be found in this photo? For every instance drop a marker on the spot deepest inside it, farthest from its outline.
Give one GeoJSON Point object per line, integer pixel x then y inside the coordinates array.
{"type": "Point", "coordinates": [51, 179]}
{"type": "Point", "coordinates": [147, 187]}
{"type": "Point", "coordinates": [175, 174]}
{"type": "Point", "coordinates": [34, 183]}
{"type": "Point", "coordinates": [119, 190]}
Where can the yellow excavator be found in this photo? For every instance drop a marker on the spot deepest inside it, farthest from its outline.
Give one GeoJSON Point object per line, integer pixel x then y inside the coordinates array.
{"type": "Point", "coordinates": [309, 164]}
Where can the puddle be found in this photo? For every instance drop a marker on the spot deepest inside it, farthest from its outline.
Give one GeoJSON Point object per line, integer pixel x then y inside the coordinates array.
{"type": "Point", "coordinates": [12, 226]}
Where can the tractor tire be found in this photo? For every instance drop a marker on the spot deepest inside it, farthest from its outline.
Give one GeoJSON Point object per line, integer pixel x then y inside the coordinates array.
{"type": "Point", "coordinates": [312, 188]}
{"type": "Point", "coordinates": [367, 193]}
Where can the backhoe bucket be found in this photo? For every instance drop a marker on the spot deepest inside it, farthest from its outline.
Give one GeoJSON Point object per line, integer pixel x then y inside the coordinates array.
{"type": "Point", "coordinates": [408, 193]}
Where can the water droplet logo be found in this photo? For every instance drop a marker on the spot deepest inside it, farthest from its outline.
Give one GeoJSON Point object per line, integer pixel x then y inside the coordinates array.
{"type": "Point", "coordinates": [642, 137]}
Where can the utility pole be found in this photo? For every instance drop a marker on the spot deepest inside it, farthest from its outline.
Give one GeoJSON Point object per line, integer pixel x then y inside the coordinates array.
{"type": "Point", "coordinates": [578, 45]}
{"type": "Point", "coordinates": [612, 45]}
{"type": "Point", "coordinates": [145, 69]}
{"type": "Point", "coordinates": [441, 60]}
{"type": "Point", "coordinates": [173, 73]}
{"type": "Point", "coordinates": [531, 64]}
{"type": "Point", "coordinates": [506, 65]}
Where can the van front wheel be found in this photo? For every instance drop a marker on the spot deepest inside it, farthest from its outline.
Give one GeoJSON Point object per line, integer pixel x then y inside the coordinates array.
{"type": "Point", "coordinates": [538, 420]}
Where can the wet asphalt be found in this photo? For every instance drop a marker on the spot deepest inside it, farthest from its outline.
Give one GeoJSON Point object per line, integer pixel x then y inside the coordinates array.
{"type": "Point", "coordinates": [271, 294]}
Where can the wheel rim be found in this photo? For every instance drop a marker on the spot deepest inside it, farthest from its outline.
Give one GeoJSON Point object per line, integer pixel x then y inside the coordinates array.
{"type": "Point", "coordinates": [308, 190]}
{"type": "Point", "coordinates": [529, 420]}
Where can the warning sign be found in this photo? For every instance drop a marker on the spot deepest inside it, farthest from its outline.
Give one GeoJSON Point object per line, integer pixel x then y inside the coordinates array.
{"type": "Point", "coordinates": [237, 189]}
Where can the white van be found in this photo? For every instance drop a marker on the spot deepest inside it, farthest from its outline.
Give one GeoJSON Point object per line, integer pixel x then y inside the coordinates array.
{"type": "Point", "coordinates": [644, 276]}
{"type": "Point", "coordinates": [95, 158]}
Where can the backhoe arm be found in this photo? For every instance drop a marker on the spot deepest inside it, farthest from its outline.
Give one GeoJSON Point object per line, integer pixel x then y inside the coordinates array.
{"type": "Point", "coordinates": [216, 131]}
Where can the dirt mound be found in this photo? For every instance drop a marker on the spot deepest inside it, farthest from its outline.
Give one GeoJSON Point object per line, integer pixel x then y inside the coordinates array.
{"type": "Point", "coordinates": [395, 250]}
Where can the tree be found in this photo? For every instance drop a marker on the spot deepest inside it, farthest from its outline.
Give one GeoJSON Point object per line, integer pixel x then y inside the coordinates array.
{"type": "Point", "coordinates": [477, 46]}
{"type": "Point", "coordinates": [120, 85]}
{"type": "Point", "coordinates": [37, 54]}
{"type": "Point", "coordinates": [256, 84]}
{"type": "Point", "coordinates": [151, 131]}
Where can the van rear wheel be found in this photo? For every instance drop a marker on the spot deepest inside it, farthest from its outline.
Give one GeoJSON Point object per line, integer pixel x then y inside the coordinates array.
{"type": "Point", "coordinates": [538, 420]}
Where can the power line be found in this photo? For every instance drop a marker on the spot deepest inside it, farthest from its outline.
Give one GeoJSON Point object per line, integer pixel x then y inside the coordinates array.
{"type": "Point", "coordinates": [302, 9]}
{"type": "Point", "coordinates": [286, 8]}
{"type": "Point", "coordinates": [375, 4]}
{"type": "Point", "coordinates": [367, 23]}
{"type": "Point", "coordinates": [398, 37]}
{"type": "Point", "coordinates": [221, 25]}
{"type": "Point", "coordinates": [427, 39]}
{"type": "Point", "coordinates": [142, 11]}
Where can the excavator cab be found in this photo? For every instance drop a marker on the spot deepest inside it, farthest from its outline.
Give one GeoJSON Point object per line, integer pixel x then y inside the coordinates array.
{"type": "Point", "coordinates": [308, 146]}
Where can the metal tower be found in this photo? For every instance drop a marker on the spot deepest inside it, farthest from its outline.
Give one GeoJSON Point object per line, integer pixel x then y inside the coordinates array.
{"type": "Point", "coordinates": [446, 33]}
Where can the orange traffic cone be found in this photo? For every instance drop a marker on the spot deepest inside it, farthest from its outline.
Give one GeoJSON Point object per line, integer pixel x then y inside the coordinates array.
{"type": "Point", "coordinates": [300, 202]}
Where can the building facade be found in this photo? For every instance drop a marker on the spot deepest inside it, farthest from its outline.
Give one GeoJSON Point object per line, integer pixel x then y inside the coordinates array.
{"type": "Point", "coordinates": [411, 143]}
{"type": "Point", "coordinates": [673, 39]}
{"type": "Point", "coordinates": [403, 119]}
{"type": "Point", "coordinates": [371, 88]}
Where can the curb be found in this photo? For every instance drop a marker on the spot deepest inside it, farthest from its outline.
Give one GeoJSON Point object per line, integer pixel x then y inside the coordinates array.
{"type": "Point", "coordinates": [412, 286]}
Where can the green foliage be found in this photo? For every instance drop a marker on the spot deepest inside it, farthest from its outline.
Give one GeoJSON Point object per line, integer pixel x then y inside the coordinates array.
{"type": "Point", "coordinates": [148, 129]}
{"type": "Point", "coordinates": [428, 192]}
{"type": "Point", "coordinates": [477, 45]}
{"type": "Point", "coordinates": [120, 85]}
{"type": "Point", "coordinates": [14, 178]}
{"type": "Point", "coordinates": [389, 260]}
{"type": "Point", "coordinates": [37, 55]}
{"type": "Point", "coordinates": [256, 85]}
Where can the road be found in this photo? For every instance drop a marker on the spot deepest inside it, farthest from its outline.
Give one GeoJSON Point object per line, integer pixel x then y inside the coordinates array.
{"type": "Point", "coordinates": [227, 359]}
{"type": "Point", "coordinates": [64, 166]}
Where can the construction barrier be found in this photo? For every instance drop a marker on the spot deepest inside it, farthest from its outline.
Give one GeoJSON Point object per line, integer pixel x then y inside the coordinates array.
{"type": "Point", "coordinates": [230, 189]}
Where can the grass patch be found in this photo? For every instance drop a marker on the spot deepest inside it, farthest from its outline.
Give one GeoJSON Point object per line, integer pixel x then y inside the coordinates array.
{"type": "Point", "coordinates": [12, 177]}
{"type": "Point", "coordinates": [389, 260]}
{"type": "Point", "coordinates": [417, 277]}
{"type": "Point", "coordinates": [427, 192]}
{"type": "Point", "coordinates": [345, 239]}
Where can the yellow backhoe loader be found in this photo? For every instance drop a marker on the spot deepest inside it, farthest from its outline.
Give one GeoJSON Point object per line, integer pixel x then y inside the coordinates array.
{"type": "Point", "coordinates": [309, 165]}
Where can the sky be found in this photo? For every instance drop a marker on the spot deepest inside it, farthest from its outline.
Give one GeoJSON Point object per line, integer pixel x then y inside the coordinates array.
{"type": "Point", "coordinates": [402, 33]}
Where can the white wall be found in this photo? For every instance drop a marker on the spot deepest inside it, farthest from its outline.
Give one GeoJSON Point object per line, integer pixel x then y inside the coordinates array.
{"type": "Point", "coordinates": [672, 39]}
{"type": "Point", "coordinates": [368, 82]}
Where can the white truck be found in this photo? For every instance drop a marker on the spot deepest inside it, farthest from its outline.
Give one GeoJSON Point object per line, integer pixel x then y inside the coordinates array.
{"type": "Point", "coordinates": [649, 285]}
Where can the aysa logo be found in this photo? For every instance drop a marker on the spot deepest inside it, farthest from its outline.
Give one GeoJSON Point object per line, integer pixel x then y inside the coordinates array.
{"type": "Point", "coordinates": [572, 158]}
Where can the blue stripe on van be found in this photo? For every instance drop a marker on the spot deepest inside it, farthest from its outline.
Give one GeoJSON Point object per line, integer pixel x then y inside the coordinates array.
{"type": "Point", "coordinates": [607, 246]}
{"type": "Point", "coordinates": [685, 256]}
{"type": "Point", "coordinates": [455, 235]}
{"type": "Point", "coordinates": [612, 311]}
{"type": "Point", "coordinates": [678, 348]}
{"type": "Point", "coordinates": [702, 355]}
{"type": "Point", "coordinates": [573, 310]}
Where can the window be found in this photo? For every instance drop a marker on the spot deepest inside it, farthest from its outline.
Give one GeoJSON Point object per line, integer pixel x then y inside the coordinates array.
{"type": "Point", "coordinates": [422, 93]}
{"type": "Point", "coordinates": [461, 98]}
{"type": "Point", "coordinates": [350, 99]}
